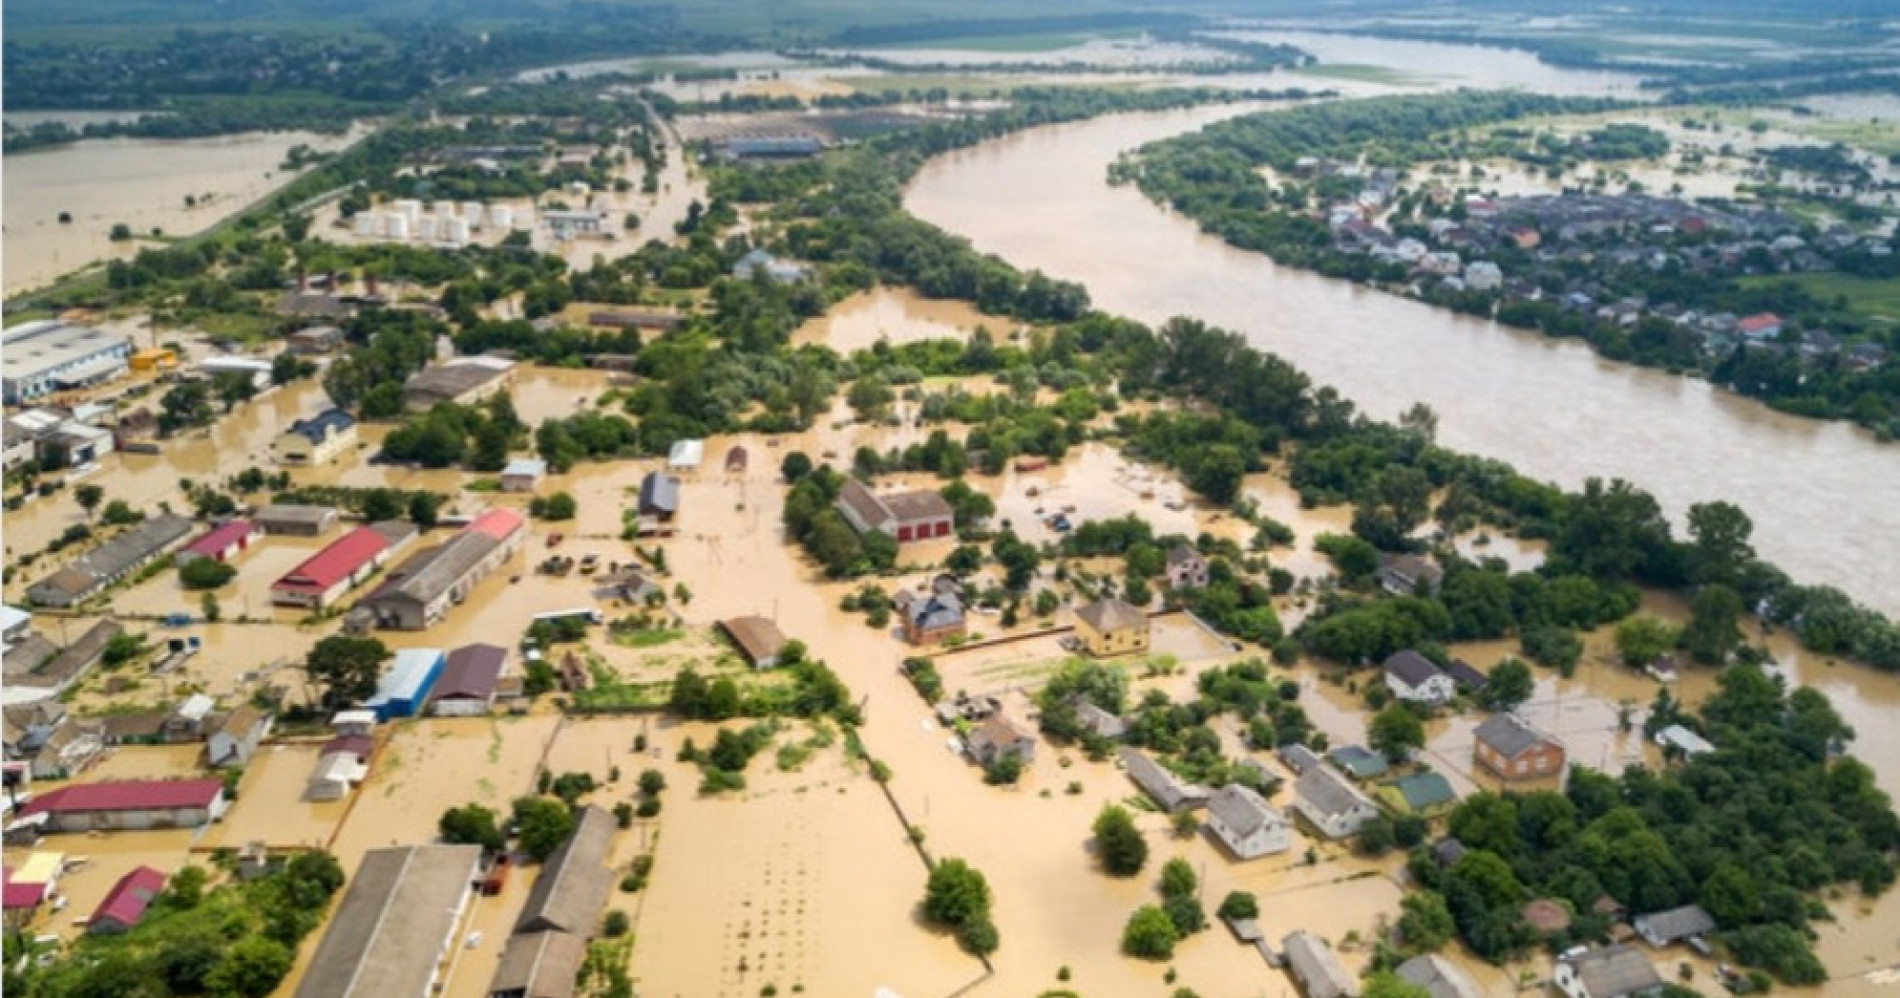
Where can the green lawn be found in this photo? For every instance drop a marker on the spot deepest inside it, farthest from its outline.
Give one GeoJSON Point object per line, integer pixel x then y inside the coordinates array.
{"type": "Point", "coordinates": [1873, 298]}
{"type": "Point", "coordinates": [1362, 74]}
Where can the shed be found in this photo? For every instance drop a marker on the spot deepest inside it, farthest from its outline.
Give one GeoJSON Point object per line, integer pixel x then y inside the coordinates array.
{"type": "Point", "coordinates": [295, 520]}
{"type": "Point", "coordinates": [405, 687]}
{"type": "Point", "coordinates": [334, 775]}
{"type": "Point", "coordinates": [1426, 794]}
{"type": "Point", "coordinates": [659, 496]}
{"type": "Point", "coordinates": [1317, 968]}
{"type": "Point", "coordinates": [758, 639]}
{"type": "Point", "coordinates": [124, 905]}
{"type": "Point", "coordinates": [221, 543]}
{"type": "Point", "coordinates": [1246, 824]}
{"type": "Point", "coordinates": [523, 474]}
{"type": "Point", "coordinates": [236, 736]}
{"type": "Point", "coordinates": [1439, 977]}
{"type": "Point", "coordinates": [1683, 741]}
{"type": "Point", "coordinates": [998, 736]}
{"type": "Point", "coordinates": [735, 460]}
{"type": "Point", "coordinates": [1608, 972]}
{"type": "Point", "coordinates": [1359, 762]}
{"type": "Point", "coordinates": [686, 455]}
{"type": "Point", "coordinates": [539, 965]}
{"type": "Point", "coordinates": [1167, 789]}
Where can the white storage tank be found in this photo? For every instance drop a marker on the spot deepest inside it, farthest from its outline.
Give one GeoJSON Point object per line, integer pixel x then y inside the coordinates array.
{"type": "Point", "coordinates": [368, 223]}
{"type": "Point", "coordinates": [397, 227]}
{"type": "Point", "coordinates": [426, 228]}
{"type": "Point", "coordinates": [501, 216]}
{"type": "Point", "coordinates": [455, 231]}
{"type": "Point", "coordinates": [577, 190]}
{"type": "Point", "coordinates": [408, 208]}
{"type": "Point", "coordinates": [472, 213]}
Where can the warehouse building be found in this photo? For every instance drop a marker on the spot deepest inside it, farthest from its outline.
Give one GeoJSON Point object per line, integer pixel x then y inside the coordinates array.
{"type": "Point", "coordinates": [405, 687]}
{"type": "Point", "coordinates": [395, 925]}
{"type": "Point", "coordinates": [93, 571]}
{"type": "Point", "coordinates": [49, 356]}
{"type": "Point", "coordinates": [129, 805]}
{"type": "Point", "coordinates": [420, 591]}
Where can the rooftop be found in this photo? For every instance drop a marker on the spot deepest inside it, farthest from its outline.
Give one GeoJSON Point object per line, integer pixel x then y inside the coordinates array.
{"type": "Point", "coordinates": [1242, 810]}
{"type": "Point", "coordinates": [1509, 735]}
{"type": "Point", "coordinates": [323, 425]}
{"type": "Point", "coordinates": [125, 795]}
{"type": "Point", "coordinates": [471, 671]}
{"type": "Point", "coordinates": [1411, 668]}
{"type": "Point", "coordinates": [337, 561]}
{"type": "Point", "coordinates": [34, 347]}
{"type": "Point", "coordinates": [1613, 971]}
{"type": "Point", "coordinates": [572, 888]}
{"type": "Point", "coordinates": [1111, 615]}
{"type": "Point", "coordinates": [393, 924]}
{"type": "Point", "coordinates": [759, 638]}
{"type": "Point", "coordinates": [213, 542]}
{"type": "Point", "coordinates": [126, 902]}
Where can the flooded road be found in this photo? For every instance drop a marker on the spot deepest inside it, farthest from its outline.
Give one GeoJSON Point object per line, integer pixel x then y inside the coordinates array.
{"type": "Point", "coordinates": [1821, 494]}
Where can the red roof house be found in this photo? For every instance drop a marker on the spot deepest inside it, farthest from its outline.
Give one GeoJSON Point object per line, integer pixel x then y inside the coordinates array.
{"type": "Point", "coordinates": [130, 804]}
{"type": "Point", "coordinates": [1765, 326]}
{"type": "Point", "coordinates": [331, 572]}
{"type": "Point", "coordinates": [221, 543]}
{"type": "Point", "coordinates": [125, 904]}
{"type": "Point", "coordinates": [19, 900]}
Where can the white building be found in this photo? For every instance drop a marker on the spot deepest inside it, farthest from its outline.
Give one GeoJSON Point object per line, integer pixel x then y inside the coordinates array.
{"type": "Point", "coordinates": [1327, 799]}
{"type": "Point", "coordinates": [1248, 825]}
{"type": "Point", "coordinates": [48, 356]}
{"type": "Point", "coordinates": [257, 370]}
{"type": "Point", "coordinates": [1416, 679]}
{"type": "Point", "coordinates": [1609, 972]}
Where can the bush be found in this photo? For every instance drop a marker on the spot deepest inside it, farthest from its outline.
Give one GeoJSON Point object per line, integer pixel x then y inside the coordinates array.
{"type": "Point", "coordinates": [649, 808]}
{"type": "Point", "coordinates": [1150, 934]}
{"type": "Point", "coordinates": [205, 573]}
{"type": "Point", "coordinates": [1238, 905]}
{"type": "Point", "coordinates": [615, 924]}
{"type": "Point", "coordinates": [1119, 842]}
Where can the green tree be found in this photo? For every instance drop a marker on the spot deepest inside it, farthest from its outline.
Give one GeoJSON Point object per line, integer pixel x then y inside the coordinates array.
{"type": "Point", "coordinates": [1509, 685]}
{"type": "Point", "coordinates": [795, 466]}
{"type": "Point", "coordinates": [1714, 630]}
{"type": "Point", "coordinates": [346, 668]}
{"type": "Point", "coordinates": [1118, 842]}
{"type": "Point", "coordinates": [1393, 505]}
{"type": "Point", "coordinates": [1385, 984]}
{"type": "Point", "coordinates": [1239, 905]}
{"type": "Point", "coordinates": [471, 824]}
{"type": "Point", "coordinates": [1425, 923]}
{"type": "Point", "coordinates": [955, 893]}
{"type": "Point", "coordinates": [251, 968]}
{"type": "Point", "coordinates": [1396, 731]}
{"type": "Point", "coordinates": [541, 825]}
{"type": "Point", "coordinates": [205, 573]}
{"type": "Point", "coordinates": [1150, 934]}
{"type": "Point", "coordinates": [89, 496]}
{"type": "Point", "coordinates": [1719, 551]}
{"type": "Point", "coordinates": [1642, 639]}
{"type": "Point", "coordinates": [1178, 879]}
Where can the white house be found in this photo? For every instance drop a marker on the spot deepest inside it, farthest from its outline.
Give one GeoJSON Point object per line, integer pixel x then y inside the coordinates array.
{"type": "Point", "coordinates": [1248, 825]}
{"type": "Point", "coordinates": [1327, 799]}
{"type": "Point", "coordinates": [1416, 679]}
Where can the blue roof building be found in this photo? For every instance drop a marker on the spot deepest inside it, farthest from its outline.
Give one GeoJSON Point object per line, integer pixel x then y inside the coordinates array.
{"type": "Point", "coordinates": [405, 687]}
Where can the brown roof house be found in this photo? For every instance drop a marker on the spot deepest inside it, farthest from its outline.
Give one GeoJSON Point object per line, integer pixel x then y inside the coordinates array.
{"type": "Point", "coordinates": [930, 620]}
{"type": "Point", "coordinates": [905, 516]}
{"type": "Point", "coordinates": [997, 737]}
{"type": "Point", "coordinates": [759, 640]}
{"type": "Point", "coordinates": [1513, 750]}
{"type": "Point", "coordinates": [1111, 627]}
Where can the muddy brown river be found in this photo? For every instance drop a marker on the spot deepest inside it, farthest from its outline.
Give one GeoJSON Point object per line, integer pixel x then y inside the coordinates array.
{"type": "Point", "coordinates": [1825, 497]}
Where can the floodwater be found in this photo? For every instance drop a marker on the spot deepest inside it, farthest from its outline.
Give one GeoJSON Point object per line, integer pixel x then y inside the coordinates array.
{"type": "Point", "coordinates": [140, 182]}
{"type": "Point", "coordinates": [1817, 491]}
{"type": "Point", "coordinates": [896, 316]}
{"type": "Point", "coordinates": [1452, 65]}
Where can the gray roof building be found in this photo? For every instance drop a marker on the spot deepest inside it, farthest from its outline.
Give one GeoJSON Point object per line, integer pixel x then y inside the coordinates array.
{"type": "Point", "coordinates": [52, 676]}
{"type": "Point", "coordinates": [1608, 972]}
{"type": "Point", "coordinates": [539, 965]}
{"type": "Point", "coordinates": [1167, 789]}
{"type": "Point", "coordinates": [1112, 615]}
{"type": "Point", "coordinates": [1316, 967]}
{"type": "Point", "coordinates": [1508, 735]}
{"type": "Point", "coordinates": [659, 495]}
{"type": "Point", "coordinates": [395, 923]}
{"type": "Point", "coordinates": [573, 885]}
{"type": "Point", "coordinates": [105, 564]}
{"type": "Point", "coordinates": [1439, 977]}
{"type": "Point", "coordinates": [1664, 927]}
{"type": "Point", "coordinates": [298, 520]}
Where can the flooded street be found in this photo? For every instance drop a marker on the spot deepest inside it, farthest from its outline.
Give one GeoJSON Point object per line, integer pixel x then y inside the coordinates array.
{"type": "Point", "coordinates": [140, 182]}
{"type": "Point", "coordinates": [1819, 493]}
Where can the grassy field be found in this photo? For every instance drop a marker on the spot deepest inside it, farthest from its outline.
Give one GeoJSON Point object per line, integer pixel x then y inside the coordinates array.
{"type": "Point", "coordinates": [1361, 74]}
{"type": "Point", "coordinates": [1875, 299]}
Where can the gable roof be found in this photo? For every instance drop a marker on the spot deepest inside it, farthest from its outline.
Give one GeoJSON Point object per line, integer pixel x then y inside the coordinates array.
{"type": "Point", "coordinates": [125, 795]}
{"type": "Point", "coordinates": [1181, 554]}
{"type": "Point", "coordinates": [862, 503]}
{"type": "Point", "coordinates": [758, 638]}
{"type": "Point", "coordinates": [1411, 668]}
{"type": "Point", "coordinates": [429, 573]}
{"type": "Point", "coordinates": [393, 924]}
{"type": "Point", "coordinates": [934, 611]}
{"type": "Point", "coordinates": [1465, 674]}
{"type": "Point", "coordinates": [1359, 761]}
{"type": "Point", "coordinates": [1242, 810]}
{"type": "Point", "coordinates": [922, 504]}
{"type": "Point", "coordinates": [470, 671]}
{"type": "Point", "coordinates": [539, 965]}
{"type": "Point", "coordinates": [573, 885]}
{"type": "Point", "coordinates": [126, 902]}
{"type": "Point", "coordinates": [1508, 735]}
{"type": "Point", "coordinates": [1613, 971]}
{"type": "Point", "coordinates": [323, 425]}
{"type": "Point", "coordinates": [1439, 977]}
{"type": "Point", "coordinates": [1168, 790]}
{"type": "Point", "coordinates": [1425, 790]}
{"type": "Point", "coordinates": [1111, 615]}
{"type": "Point", "coordinates": [1317, 967]}
{"type": "Point", "coordinates": [337, 561]}
{"type": "Point", "coordinates": [661, 492]}
{"type": "Point", "coordinates": [1677, 923]}
{"type": "Point", "coordinates": [214, 541]}
{"type": "Point", "coordinates": [1328, 791]}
